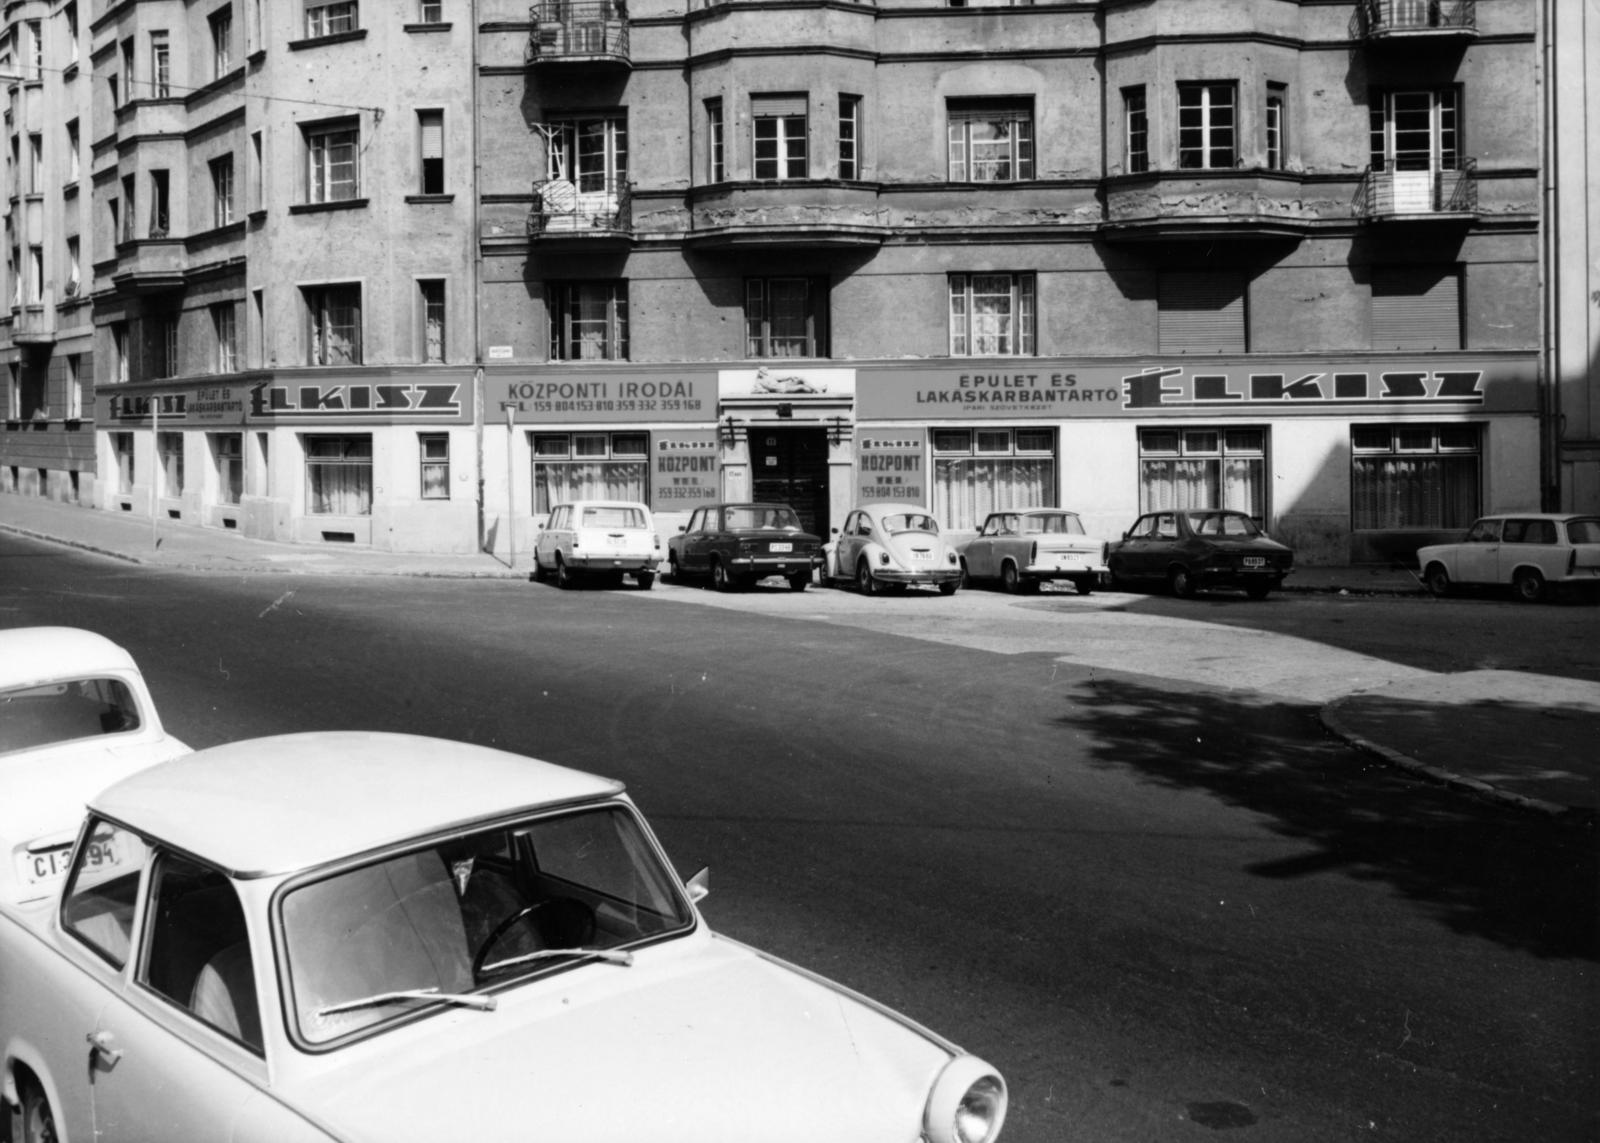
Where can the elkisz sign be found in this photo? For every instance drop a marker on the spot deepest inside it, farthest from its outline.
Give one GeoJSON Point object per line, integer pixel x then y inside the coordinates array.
{"type": "Point", "coordinates": [401, 400]}
{"type": "Point", "coordinates": [1163, 388]}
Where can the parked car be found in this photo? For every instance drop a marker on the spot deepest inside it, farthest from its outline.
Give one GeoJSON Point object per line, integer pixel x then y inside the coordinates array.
{"type": "Point", "coordinates": [1530, 551]}
{"type": "Point", "coordinates": [734, 545]}
{"type": "Point", "coordinates": [360, 936]}
{"type": "Point", "coordinates": [1195, 549]}
{"type": "Point", "coordinates": [1023, 549]}
{"type": "Point", "coordinates": [598, 539]}
{"type": "Point", "coordinates": [891, 546]}
{"type": "Point", "coordinates": [75, 716]}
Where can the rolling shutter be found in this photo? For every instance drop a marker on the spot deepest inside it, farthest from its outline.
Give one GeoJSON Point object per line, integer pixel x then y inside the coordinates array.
{"type": "Point", "coordinates": [778, 106]}
{"type": "Point", "coordinates": [1416, 308]}
{"type": "Point", "coordinates": [1201, 313]}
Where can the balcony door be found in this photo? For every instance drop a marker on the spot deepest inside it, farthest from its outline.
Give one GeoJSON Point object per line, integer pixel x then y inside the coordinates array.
{"type": "Point", "coordinates": [591, 157]}
{"type": "Point", "coordinates": [1415, 137]}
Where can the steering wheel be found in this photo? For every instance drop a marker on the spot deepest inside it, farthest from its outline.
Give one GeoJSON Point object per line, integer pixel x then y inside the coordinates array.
{"type": "Point", "coordinates": [501, 930]}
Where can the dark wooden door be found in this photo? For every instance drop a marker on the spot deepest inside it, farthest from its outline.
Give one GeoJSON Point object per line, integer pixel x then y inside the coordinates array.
{"type": "Point", "coordinates": [790, 466]}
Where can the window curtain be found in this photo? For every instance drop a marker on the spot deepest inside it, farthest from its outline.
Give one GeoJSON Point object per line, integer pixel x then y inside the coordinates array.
{"type": "Point", "coordinates": [967, 489]}
{"type": "Point", "coordinates": [1414, 492]}
{"type": "Point", "coordinates": [1238, 483]}
{"type": "Point", "coordinates": [588, 480]}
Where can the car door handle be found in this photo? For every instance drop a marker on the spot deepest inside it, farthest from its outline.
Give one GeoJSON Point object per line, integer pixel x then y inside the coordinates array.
{"type": "Point", "coordinates": [103, 1046]}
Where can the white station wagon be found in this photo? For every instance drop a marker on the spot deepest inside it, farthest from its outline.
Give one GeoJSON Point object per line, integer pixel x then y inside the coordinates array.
{"type": "Point", "coordinates": [1528, 551]}
{"type": "Point", "coordinates": [378, 937]}
{"type": "Point", "coordinates": [598, 539]}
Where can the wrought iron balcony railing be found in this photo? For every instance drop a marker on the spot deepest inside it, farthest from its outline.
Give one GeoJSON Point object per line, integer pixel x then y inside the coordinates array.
{"type": "Point", "coordinates": [561, 206]}
{"type": "Point", "coordinates": [1376, 19]}
{"type": "Point", "coordinates": [579, 29]}
{"type": "Point", "coordinates": [1402, 194]}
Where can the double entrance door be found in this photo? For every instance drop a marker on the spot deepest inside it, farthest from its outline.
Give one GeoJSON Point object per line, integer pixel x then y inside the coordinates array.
{"type": "Point", "coordinates": [790, 466]}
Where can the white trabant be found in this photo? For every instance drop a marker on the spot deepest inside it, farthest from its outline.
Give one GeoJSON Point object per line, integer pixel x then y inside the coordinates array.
{"type": "Point", "coordinates": [1531, 552]}
{"type": "Point", "coordinates": [1022, 549]}
{"type": "Point", "coordinates": [361, 936]}
{"type": "Point", "coordinates": [598, 540]}
{"type": "Point", "coordinates": [75, 716]}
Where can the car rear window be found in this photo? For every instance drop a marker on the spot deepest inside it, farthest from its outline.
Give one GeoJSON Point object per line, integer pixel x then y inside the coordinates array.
{"type": "Point", "coordinates": [61, 712]}
{"type": "Point", "coordinates": [613, 517]}
{"type": "Point", "coordinates": [911, 522]}
{"type": "Point", "coordinates": [1586, 531]}
{"type": "Point", "coordinates": [1064, 523]}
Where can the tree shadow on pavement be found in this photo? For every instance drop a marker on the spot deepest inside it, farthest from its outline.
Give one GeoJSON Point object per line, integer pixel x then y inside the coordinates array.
{"type": "Point", "coordinates": [1525, 880]}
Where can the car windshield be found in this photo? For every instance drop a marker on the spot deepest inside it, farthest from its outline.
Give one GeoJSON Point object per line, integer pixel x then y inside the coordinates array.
{"type": "Point", "coordinates": [1584, 531]}
{"type": "Point", "coordinates": [910, 522]}
{"type": "Point", "coordinates": [1222, 524]}
{"type": "Point", "coordinates": [61, 712]}
{"type": "Point", "coordinates": [440, 924]}
{"type": "Point", "coordinates": [761, 516]}
{"type": "Point", "coordinates": [1056, 523]}
{"type": "Point", "coordinates": [618, 516]}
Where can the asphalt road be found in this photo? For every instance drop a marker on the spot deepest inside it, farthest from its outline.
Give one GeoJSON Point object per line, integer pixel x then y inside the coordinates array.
{"type": "Point", "coordinates": [1104, 842]}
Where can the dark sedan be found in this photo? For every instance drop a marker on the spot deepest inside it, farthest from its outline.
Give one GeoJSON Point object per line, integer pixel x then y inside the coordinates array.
{"type": "Point", "coordinates": [1200, 548]}
{"type": "Point", "coordinates": [734, 545]}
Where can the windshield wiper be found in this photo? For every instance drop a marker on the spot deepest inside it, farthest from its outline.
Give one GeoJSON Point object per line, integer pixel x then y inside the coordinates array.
{"type": "Point", "coordinates": [614, 956]}
{"type": "Point", "coordinates": [465, 1000]}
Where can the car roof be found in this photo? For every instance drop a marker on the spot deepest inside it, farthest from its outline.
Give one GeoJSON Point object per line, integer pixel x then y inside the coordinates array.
{"type": "Point", "coordinates": [41, 654]}
{"type": "Point", "coordinates": [891, 507]}
{"type": "Point", "coordinates": [275, 805]}
{"type": "Point", "coordinates": [1539, 516]}
{"type": "Point", "coordinates": [602, 504]}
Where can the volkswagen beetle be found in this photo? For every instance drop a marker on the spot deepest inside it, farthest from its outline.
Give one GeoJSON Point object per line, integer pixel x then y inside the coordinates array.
{"type": "Point", "coordinates": [891, 546]}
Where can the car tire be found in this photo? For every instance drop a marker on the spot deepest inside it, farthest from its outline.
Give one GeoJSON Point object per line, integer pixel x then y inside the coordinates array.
{"type": "Point", "coordinates": [1085, 586]}
{"type": "Point", "coordinates": [1528, 585]}
{"type": "Point", "coordinates": [864, 581]}
{"type": "Point", "coordinates": [1437, 580]}
{"type": "Point", "coordinates": [799, 581]}
{"type": "Point", "coordinates": [949, 587]}
{"type": "Point", "coordinates": [966, 576]}
{"type": "Point", "coordinates": [565, 579]}
{"type": "Point", "coordinates": [1258, 590]}
{"type": "Point", "coordinates": [37, 1120]}
{"type": "Point", "coordinates": [673, 570]}
{"type": "Point", "coordinates": [540, 575]}
{"type": "Point", "coordinates": [720, 579]}
{"type": "Point", "coordinates": [1010, 581]}
{"type": "Point", "coordinates": [645, 580]}
{"type": "Point", "coordinates": [1181, 582]}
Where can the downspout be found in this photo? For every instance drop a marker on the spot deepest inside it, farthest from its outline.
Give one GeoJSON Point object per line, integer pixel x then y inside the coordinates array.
{"type": "Point", "coordinates": [1549, 380]}
{"type": "Point", "coordinates": [477, 275]}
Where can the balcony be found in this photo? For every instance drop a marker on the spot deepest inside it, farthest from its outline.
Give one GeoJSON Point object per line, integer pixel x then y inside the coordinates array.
{"type": "Point", "coordinates": [1201, 205]}
{"type": "Point", "coordinates": [1443, 195]}
{"type": "Point", "coordinates": [579, 31]}
{"type": "Point", "coordinates": [791, 214]}
{"type": "Point", "coordinates": [150, 265]}
{"type": "Point", "coordinates": [1413, 20]}
{"type": "Point", "coordinates": [598, 212]}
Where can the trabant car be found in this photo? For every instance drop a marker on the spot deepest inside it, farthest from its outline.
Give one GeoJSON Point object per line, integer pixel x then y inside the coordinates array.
{"type": "Point", "coordinates": [1022, 549]}
{"type": "Point", "coordinates": [75, 715]}
{"type": "Point", "coordinates": [600, 540]}
{"type": "Point", "coordinates": [734, 545]}
{"type": "Point", "coordinates": [1191, 549]}
{"type": "Point", "coordinates": [888, 546]}
{"type": "Point", "coordinates": [1531, 552]}
{"type": "Point", "coordinates": [361, 936]}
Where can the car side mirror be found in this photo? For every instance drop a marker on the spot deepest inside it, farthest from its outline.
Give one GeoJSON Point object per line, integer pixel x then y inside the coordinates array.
{"type": "Point", "coordinates": [699, 885]}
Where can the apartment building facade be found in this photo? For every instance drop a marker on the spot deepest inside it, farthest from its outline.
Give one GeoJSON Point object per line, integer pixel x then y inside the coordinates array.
{"type": "Point", "coordinates": [1278, 255]}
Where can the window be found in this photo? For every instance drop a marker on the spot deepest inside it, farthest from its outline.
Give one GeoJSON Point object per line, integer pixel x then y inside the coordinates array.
{"type": "Point", "coordinates": [716, 163]}
{"type": "Point", "coordinates": [1201, 313]}
{"type": "Point", "coordinates": [1136, 144]}
{"type": "Point", "coordinates": [1275, 127]}
{"type": "Point", "coordinates": [588, 321]}
{"type": "Point", "coordinates": [430, 138]}
{"type": "Point", "coordinates": [589, 466]}
{"type": "Point", "coordinates": [221, 22]}
{"type": "Point", "coordinates": [1205, 126]}
{"type": "Point", "coordinates": [97, 907]}
{"type": "Point", "coordinates": [339, 475]}
{"type": "Point", "coordinates": [990, 141]}
{"type": "Point", "coordinates": [334, 330]}
{"type": "Point", "coordinates": [991, 315]}
{"type": "Point", "coordinates": [435, 452]}
{"type": "Point", "coordinates": [228, 449]}
{"type": "Point", "coordinates": [431, 12]}
{"type": "Point", "coordinates": [35, 162]}
{"type": "Point", "coordinates": [74, 162]}
{"type": "Point", "coordinates": [74, 267]}
{"type": "Point", "coordinates": [169, 461]}
{"type": "Point", "coordinates": [1414, 476]}
{"type": "Point", "coordinates": [161, 345]}
{"type": "Point", "coordinates": [127, 69]}
{"type": "Point", "coordinates": [35, 274]}
{"type": "Point", "coordinates": [70, 14]}
{"type": "Point", "coordinates": [35, 48]}
{"type": "Point", "coordinates": [114, 86]}
{"type": "Point", "coordinates": [122, 450]}
{"type": "Point", "coordinates": [222, 190]}
{"type": "Point", "coordinates": [332, 170]}
{"type": "Point", "coordinates": [1203, 468]}
{"type": "Point", "coordinates": [329, 19]}
{"type": "Point", "coordinates": [258, 172]}
{"type": "Point", "coordinates": [225, 334]}
{"type": "Point", "coordinates": [160, 215]}
{"type": "Point", "coordinates": [1415, 130]}
{"type": "Point", "coordinates": [129, 193]}
{"type": "Point", "coordinates": [1416, 307]}
{"type": "Point", "coordinates": [430, 294]}
{"type": "Point", "coordinates": [74, 386]}
{"type": "Point", "coordinates": [978, 471]}
{"type": "Point", "coordinates": [160, 66]}
{"type": "Point", "coordinates": [849, 136]}
{"type": "Point", "coordinates": [778, 123]}
{"type": "Point", "coordinates": [119, 351]}
{"type": "Point", "coordinates": [786, 317]}
{"type": "Point", "coordinates": [590, 153]}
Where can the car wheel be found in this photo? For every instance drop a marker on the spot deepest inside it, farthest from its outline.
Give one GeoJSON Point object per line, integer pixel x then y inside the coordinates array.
{"type": "Point", "coordinates": [645, 580]}
{"type": "Point", "coordinates": [864, 581]}
{"type": "Point", "coordinates": [948, 587]}
{"type": "Point", "coordinates": [1119, 582]}
{"type": "Point", "coordinates": [1181, 582]}
{"type": "Point", "coordinates": [1010, 581]}
{"type": "Point", "coordinates": [1529, 585]}
{"type": "Point", "coordinates": [565, 579]}
{"type": "Point", "coordinates": [966, 576]}
{"type": "Point", "coordinates": [38, 1122]}
{"type": "Point", "coordinates": [1258, 590]}
{"type": "Point", "coordinates": [1085, 585]}
{"type": "Point", "coordinates": [799, 581]}
{"type": "Point", "coordinates": [673, 570]}
{"type": "Point", "coordinates": [720, 580]}
{"type": "Point", "coordinates": [539, 573]}
{"type": "Point", "coordinates": [1437, 579]}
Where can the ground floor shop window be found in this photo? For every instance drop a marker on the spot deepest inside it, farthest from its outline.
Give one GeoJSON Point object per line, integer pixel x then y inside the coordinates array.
{"type": "Point", "coordinates": [228, 449]}
{"type": "Point", "coordinates": [435, 448]}
{"type": "Point", "coordinates": [1414, 476]}
{"type": "Point", "coordinates": [339, 475]}
{"type": "Point", "coordinates": [589, 466]}
{"type": "Point", "coordinates": [1203, 468]}
{"type": "Point", "coordinates": [122, 449]}
{"type": "Point", "coordinates": [169, 449]}
{"type": "Point", "coordinates": [978, 471]}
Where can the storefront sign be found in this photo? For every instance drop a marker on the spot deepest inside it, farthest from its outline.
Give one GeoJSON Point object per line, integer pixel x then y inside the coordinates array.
{"type": "Point", "coordinates": [685, 474]}
{"type": "Point", "coordinates": [891, 466]}
{"type": "Point", "coordinates": [399, 400]}
{"type": "Point", "coordinates": [606, 397]}
{"type": "Point", "coordinates": [219, 405]}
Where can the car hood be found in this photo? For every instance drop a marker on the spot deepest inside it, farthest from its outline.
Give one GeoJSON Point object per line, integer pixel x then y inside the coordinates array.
{"type": "Point", "coordinates": [706, 1041]}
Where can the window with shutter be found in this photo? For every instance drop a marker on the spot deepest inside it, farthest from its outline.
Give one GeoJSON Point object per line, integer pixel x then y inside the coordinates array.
{"type": "Point", "coordinates": [1416, 308]}
{"type": "Point", "coordinates": [1202, 313]}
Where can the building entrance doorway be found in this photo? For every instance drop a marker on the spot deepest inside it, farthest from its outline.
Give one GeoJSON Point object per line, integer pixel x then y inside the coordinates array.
{"type": "Point", "coordinates": [789, 465]}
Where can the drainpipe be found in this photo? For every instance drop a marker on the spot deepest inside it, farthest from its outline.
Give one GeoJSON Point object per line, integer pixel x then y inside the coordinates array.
{"type": "Point", "coordinates": [477, 274]}
{"type": "Point", "coordinates": [1549, 380]}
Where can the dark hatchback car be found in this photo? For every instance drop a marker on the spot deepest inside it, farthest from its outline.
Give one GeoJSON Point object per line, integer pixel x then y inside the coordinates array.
{"type": "Point", "coordinates": [1189, 550]}
{"type": "Point", "coordinates": [734, 545]}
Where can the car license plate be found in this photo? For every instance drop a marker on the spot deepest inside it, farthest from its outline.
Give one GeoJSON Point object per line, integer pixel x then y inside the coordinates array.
{"type": "Point", "coordinates": [780, 547]}
{"type": "Point", "coordinates": [921, 554]}
{"type": "Point", "coordinates": [42, 865]}
{"type": "Point", "coordinates": [1255, 561]}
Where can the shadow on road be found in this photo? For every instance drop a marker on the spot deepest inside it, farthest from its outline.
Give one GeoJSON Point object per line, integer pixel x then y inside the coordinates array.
{"type": "Point", "coordinates": [1522, 880]}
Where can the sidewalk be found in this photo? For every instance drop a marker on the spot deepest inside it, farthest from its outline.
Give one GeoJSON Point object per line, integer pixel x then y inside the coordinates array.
{"type": "Point", "coordinates": [1529, 740]}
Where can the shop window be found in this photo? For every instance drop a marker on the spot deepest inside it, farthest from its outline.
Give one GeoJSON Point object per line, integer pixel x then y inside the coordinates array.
{"type": "Point", "coordinates": [1424, 477]}
{"type": "Point", "coordinates": [435, 452]}
{"type": "Point", "coordinates": [122, 450]}
{"type": "Point", "coordinates": [1136, 137]}
{"type": "Point", "coordinates": [169, 455]}
{"type": "Point", "coordinates": [978, 471]}
{"type": "Point", "coordinates": [778, 125]}
{"type": "Point", "coordinates": [1181, 468]}
{"type": "Point", "coordinates": [991, 315]}
{"type": "Point", "coordinates": [588, 321]}
{"type": "Point", "coordinates": [1206, 126]}
{"type": "Point", "coordinates": [333, 172]}
{"type": "Point", "coordinates": [990, 141]}
{"type": "Point", "coordinates": [1416, 307]}
{"type": "Point", "coordinates": [334, 325]}
{"type": "Point", "coordinates": [1201, 313]}
{"type": "Point", "coordinates": [228, 451]}
{"type": "Point", "coordinates": [339, 475]}
{"type": "Point", "coordinates": [589, 466]}
{"type": "Point", "coordinates": [786, 317]}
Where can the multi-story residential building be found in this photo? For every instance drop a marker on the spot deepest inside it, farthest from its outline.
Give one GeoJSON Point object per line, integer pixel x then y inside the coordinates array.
{"type": "Point", "coordinates": [408, 278]}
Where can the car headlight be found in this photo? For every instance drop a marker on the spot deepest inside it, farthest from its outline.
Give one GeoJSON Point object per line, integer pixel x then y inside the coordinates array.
{"type": "Point", "coordinates": [883, 558]}
{"type": "Point", "coordinates": [967, 1103]}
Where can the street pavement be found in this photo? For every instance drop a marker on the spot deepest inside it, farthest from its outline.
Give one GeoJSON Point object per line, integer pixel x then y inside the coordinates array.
{"type": "Point", "coordinates": [1516, 737]}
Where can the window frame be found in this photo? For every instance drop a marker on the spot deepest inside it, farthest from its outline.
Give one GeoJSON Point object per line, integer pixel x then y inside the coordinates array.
{"type": "Point", "coordinates": [716, 143]}
{"type": "Point", "coordinates": [1136, 130]}
{"type": "Point", "coordinates": [566, 301]}
{"type": "Point", "coordinates": [788, 146]}
{"type": "Point", "coordinates": [1207, 153]}
{"type": "Point", "coordinates": [324, 141]}
{"type": "Point", "coordinates": [220, 24]}
{"type": "Point", "coordinates": [850, 137]}
{"type": "Point", "coordinates": [225, 337]}
{"type": "Point", "coordinates": [428, 306]}
{"type": "Point", "coordinates": [320, 301]}
{"type": "Point", "coordinates": [430, 151]}
{"type": "Point", "coordinates": [222, 190]}
{"type": "Point", "coordinates": [629, 478]}
{"type": "Point", "coordinates": [434, 465]}
{"type": "Point", "coordinates": [1228, 443]}
{"type": "Point", "coordinates": [761, 340]}
{"type": "Point", "coordinates": [1016, 113]}
{"type": "Point", "coordinates": [322, 15]}
{"type": "Point", "coordinates": [1444, 460]}
{"type": "Point", "coordinates": [1021, 314]}
{"type": "Point", "coordinates": [349, 457]}
{"type": "Point", "coordinates": [1275, 126]}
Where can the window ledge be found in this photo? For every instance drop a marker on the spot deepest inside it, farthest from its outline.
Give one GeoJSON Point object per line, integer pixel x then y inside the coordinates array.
{"type": "Point", "coordinates": [320, 207]}
{"type": "Point", "coordinates": [426, 198]}
{"type": "Point", "coordinates": [416, 28]}
{"type": "Point", "coordinates": [320, 41]}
